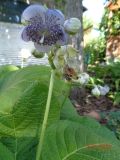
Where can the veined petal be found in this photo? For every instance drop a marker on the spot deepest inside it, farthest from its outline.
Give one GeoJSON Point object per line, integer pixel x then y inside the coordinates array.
{"type": "Point", "coordinates": [62, 15]}
{"type": "Point", "coordinates": [24, 35]}
{"type": "Point", "coordinates": [42, 48]}
{"type": "Point", "coordinates": [34, 13]}
{"type": "Point", "coordinates": [34, 32]}
{"type": "Point", "coordinates": [54, 17]}
{"type": "Point", "coordinates": [63, 39]}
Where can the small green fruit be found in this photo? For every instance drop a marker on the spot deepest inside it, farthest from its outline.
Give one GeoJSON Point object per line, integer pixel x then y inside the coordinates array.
{"type": "Point", "coordinates": [37, 54]}
{"type": "Point", "coordinates": [72, 25]}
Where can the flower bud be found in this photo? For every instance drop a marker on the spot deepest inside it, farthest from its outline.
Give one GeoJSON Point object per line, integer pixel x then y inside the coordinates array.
{"type": "Point", "coordinates": [71, 51]}
{"type": "Point", "coordinates": [59, 60]}
{"type": "Point", "coordinates": [63, 56]}
{"type": "Point", "coordinates": [83, 78]}
{"type": "Point", "coordinates": [37, 54]}
{"type": "Point", "coordinates": [72, 25]}
{"type": "Point", "coordinates": [95, 91]}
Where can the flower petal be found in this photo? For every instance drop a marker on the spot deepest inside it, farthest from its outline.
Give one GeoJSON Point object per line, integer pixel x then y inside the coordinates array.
{"type": "Point", "coordinates": [34, 31]}
{"type": "Point", "coordinates": [62, 15]}
{"type": "Point", "coordinates": [33, 13]}
{"type": "Point", "coordinates": [24, 35]}
{"type": "Point", "coordinates": [63, 39]}
{"type": "Point", "coordinates": [42, 48]}
{"type": "Point", "coordinates": [54, 17]}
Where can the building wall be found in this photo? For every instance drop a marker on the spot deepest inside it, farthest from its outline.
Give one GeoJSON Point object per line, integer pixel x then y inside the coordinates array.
{"type": "Point", "coordinates": [113, 47]}
{"type": "Point", "coordinates": [11, 45]}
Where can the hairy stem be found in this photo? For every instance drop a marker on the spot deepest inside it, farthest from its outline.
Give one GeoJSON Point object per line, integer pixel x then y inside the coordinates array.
{"type": "Point", "coordinates": [41, 139]}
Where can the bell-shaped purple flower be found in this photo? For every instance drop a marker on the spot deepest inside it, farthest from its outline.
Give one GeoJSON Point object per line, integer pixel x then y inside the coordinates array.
{"type": "Point", "coordinates": [45, 27]}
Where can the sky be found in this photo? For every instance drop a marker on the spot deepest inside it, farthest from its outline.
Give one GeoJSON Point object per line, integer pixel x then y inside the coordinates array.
{"type": "Point", "coordinates": [94, 12]}
{"type": "Point", "coordinates": [95, 9]}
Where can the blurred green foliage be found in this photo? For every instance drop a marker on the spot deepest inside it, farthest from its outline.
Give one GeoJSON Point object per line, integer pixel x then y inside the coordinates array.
{"type": "Point", "coordinates": [113, 122]}
{"type": "Point", "coordinates": [60, 4]}
{"type": "Point", "coordinates": [110, 24]}
{"type": "Point", "coordinates": [95, 50]}
{"type": "Point", "coordinates": [110, 75]}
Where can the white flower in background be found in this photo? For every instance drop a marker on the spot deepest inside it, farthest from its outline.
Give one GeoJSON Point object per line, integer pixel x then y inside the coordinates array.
{"type": "Point", "coordinates": [72, 25]}
{"type": "Point", "coordinates": [83, 78]}
{"type": "Point", "coordinates": [104, 90]}
{"type": "Point", "coordinates": [100, 90]}
{"type": "Point", "coordinates": [25, 53]}
{"type": "Point", "coordinates": [95, 91]}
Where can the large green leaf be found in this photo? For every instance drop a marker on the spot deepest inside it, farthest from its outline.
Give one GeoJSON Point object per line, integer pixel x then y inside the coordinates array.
{"type": "Point", "coordinates": [68, 140]}
{"type": "Point", "coordinates": [23, 98]}
{"type": "Point", "coordinates": [23, 148]}
{"type": "Point", "coordinates": [7, 68]}
{"type": "Point", "coordinates": [68, 112]}
{"type": "Point", "coordinates": [5, 71]}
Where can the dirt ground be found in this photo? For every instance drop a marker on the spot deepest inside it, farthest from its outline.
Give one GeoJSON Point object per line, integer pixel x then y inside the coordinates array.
{"type": "Point", "coordinates": [86, 104]}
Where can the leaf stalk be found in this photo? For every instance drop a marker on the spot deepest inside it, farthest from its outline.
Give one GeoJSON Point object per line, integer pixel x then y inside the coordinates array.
{"type": "Point", "coordinates": [44, 124]}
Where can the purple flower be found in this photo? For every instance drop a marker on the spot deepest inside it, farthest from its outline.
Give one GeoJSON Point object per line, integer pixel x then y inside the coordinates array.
{"type": "Point", "coordinates": [45, 27]}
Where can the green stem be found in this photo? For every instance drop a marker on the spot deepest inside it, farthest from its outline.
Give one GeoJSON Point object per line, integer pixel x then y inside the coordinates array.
{"type": "Point", "coordinates": [41, 139]}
